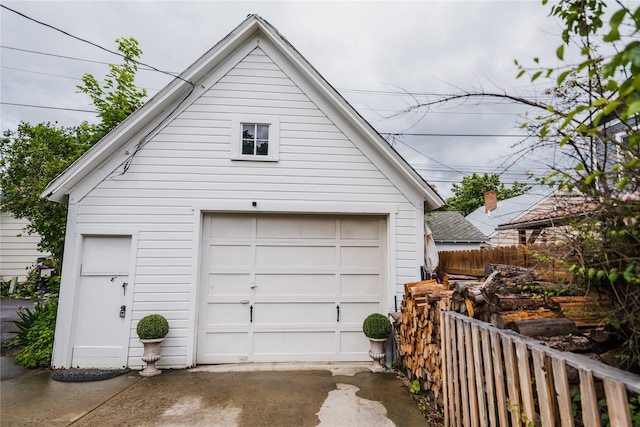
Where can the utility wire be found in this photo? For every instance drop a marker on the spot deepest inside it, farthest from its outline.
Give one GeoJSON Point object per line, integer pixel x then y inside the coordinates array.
{"type": "Point", "coordinates": [91, 43]}
{"type": "Point", "coordinates": [47, 107]}
{"type": "Point", "coordinates": [73, 58]}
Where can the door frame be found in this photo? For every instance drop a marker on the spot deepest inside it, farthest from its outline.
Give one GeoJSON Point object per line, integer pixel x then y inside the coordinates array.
{"type": "Point", "coordinates": [388, 210]}
{"type": "Point", "coordinates": [68, 300]}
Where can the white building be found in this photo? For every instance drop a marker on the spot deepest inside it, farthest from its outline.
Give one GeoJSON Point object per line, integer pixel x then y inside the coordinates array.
{"type": "Point", "coordinates": [249, 204]}
{"type": "Point", "coordinates": [18, 249]}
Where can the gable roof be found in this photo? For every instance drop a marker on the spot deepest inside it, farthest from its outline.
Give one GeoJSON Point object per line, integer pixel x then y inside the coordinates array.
{"type": "Point", "coordinates": [507, 210]}
{"type": "Point", "coordinates": [188, 86]}
{"type": "Point", "coordinates": [452, 227]}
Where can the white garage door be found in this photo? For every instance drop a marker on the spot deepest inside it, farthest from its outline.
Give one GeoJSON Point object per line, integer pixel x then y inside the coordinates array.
{"type": "Point", "coordinates": [289, 287]}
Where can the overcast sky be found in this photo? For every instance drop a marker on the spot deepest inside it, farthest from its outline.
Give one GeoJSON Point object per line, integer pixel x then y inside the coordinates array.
{"type": "Point", "coordinates": [372, 52]}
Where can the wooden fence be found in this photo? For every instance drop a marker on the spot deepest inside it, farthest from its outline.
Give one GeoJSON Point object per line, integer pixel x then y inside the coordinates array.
{"type": "Point", "coordinates": [494, 377]}
{"type": "Point", "coordinates": [473, 262]}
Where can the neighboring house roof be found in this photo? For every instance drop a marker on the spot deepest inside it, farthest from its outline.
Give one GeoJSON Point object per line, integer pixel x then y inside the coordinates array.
{"type": "Point", "coordinates": [452, 227]}
{"type": "Point", "coordinates": [132, 134]}
{"type": "Point", "coordinates": [553, 218]}
{"type": "Point", "coordinates": [507, 210]}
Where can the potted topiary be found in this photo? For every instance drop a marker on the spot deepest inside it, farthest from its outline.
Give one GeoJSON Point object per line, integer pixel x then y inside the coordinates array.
{"type": "Point", "coordinates": [377, 327]}
{"type": "Point", "coordinates": [151, 330]}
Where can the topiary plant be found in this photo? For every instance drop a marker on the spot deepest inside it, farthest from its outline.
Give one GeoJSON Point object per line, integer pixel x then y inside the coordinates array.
{"type": "Point", "coordinates": [377, 326]}
{"type": "Point", "coordinates": [153, 326]}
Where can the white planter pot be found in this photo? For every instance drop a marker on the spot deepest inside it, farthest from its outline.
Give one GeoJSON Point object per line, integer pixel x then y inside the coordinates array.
{"type": "Point", "coordinates": [376, 352]}
{"type": "Point", "coordinates": [151, 355]}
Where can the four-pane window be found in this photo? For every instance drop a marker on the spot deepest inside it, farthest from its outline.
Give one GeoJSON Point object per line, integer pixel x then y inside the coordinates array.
{"type": "Point", "coordinates": [255, 139]}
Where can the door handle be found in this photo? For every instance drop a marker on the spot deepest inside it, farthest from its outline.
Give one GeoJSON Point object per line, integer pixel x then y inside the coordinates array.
{"type": "Point", "coordinates": [123, 310]}
{"type": "Point", "coordinates": [338, 313]}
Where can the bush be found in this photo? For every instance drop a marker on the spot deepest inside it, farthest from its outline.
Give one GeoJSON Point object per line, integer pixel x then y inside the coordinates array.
{"type": "Point", "coordinates": [28, 289]}
{"type": "Point", "coordinates": [377, 326]}
{"type": "Point", "coordinates": [152, 326]}
{"type": "Point", "coordinates": [39, 336]}
{"type": "Point", "coordinates": [27, 319]}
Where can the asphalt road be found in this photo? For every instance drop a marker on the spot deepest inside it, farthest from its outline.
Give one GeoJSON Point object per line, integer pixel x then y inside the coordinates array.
{"type": "Point", "coordinates": [8, 313]}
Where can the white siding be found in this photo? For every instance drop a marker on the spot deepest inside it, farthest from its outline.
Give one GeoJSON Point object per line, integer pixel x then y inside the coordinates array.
{"type": "Point", "coordinates": [188, 162]}
{"type": "Point", "coordinates": [18, 249]}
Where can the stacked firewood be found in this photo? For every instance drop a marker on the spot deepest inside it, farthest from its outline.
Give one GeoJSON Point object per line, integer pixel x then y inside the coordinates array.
{"type": "Point", "coordinates": [417, 334]}
{"type": "Point", "coordinates": [515, 298]}
{"type": "Point", "coordinates": [508, 297]}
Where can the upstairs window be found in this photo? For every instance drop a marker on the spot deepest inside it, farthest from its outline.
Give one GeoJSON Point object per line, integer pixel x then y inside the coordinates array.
{"type": "Point", "coordinates": [255, 138]}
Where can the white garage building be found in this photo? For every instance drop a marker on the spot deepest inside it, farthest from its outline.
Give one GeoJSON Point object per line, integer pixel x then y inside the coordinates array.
{"type": "Point", "coordinates": [249, 204]}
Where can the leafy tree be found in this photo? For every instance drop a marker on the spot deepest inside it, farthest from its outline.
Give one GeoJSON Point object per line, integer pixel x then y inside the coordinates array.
{"type": "Point", "coordinates": [33, 155]}
{"type": "Point", "coordinates": [118, 97]}
{"type": "Point", "coordinates": [469, 194]}
{"type": "Point", "coordinates": [590, 121]}
{"type": "Point", "coordinates": [29, 158]}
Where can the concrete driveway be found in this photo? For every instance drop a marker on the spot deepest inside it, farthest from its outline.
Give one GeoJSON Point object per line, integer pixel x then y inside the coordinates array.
{"type": "Point", "coordinates": [218, 395]}
{"type": "Point", "coordinates": [224, 395]}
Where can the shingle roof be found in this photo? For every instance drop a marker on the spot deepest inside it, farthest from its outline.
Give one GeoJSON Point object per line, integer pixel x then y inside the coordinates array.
{"type": "Point", "coordinates": [451, 226]}
{"type": "Point", "coordinates": [508, 210]}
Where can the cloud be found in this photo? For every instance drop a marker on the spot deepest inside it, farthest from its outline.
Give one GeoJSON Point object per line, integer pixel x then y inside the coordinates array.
{"type": "Point", "coordinates": [360, 47]}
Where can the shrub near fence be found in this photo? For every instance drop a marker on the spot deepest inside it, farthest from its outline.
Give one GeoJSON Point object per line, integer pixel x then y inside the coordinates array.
{"type": "Point", "coordinates": [499, 378]}
{"type": "Point", "coordinates": [473, 262]}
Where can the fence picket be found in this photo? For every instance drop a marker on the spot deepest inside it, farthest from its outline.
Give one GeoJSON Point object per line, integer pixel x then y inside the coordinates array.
{"type": "Point", "coordinates": [489, 375]}
{"type": "Point", "coordinates": [561, 382]}
{"type": "Point", "coordinates": [544, 380]}
{"type": "Point", "coordinates": [462, 362]}
{"type": "Point", "coordinates": [617, 403]}
{"type": "Point", "coordinates": [471, 375]}
{"type": "Point", "coordinates": [512, 380]}
{"type": "Point", "coordinates": [445, 345]}
{"type": "Point", "coordinates": [479, 376]}
{"type": "Point", "coordinates": [501, 398]}
{"type": "Point", "coordinates": [588, 399]}
{"type": "Point", "coordinates": [526, 389]}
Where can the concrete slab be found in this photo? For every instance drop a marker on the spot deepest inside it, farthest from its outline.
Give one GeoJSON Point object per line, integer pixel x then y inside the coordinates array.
{"type": "Point", "coordinates": [224, 395]}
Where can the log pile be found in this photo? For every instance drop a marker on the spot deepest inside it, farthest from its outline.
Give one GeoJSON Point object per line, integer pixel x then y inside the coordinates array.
{"type": "Point", "coordinates": [509, 297]}
{"type": "Point", "coordinates": [417, 333]}
{"type": "Point", "coordinates": [515, 298]}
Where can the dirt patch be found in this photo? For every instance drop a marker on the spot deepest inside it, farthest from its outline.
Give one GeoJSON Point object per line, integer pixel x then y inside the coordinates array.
{"type": "Point", "coordinates": [431, 414]}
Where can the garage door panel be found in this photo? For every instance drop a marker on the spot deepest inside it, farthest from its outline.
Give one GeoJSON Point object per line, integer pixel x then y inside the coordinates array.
{"type": "Point", "coordinates": [297, 257]}
{"type": "Point", "coordinates": [360, 228]}
{"type": "Point", "coordinates": [283, 227]}
{"type": "Point", "coordinates": [354, 342]}
{"type": "Point", "coordinates": [228, 314]}
{"type": "Point", "coordinates": [360, 256]}
{"type": "Point", "coordinates": [232, 226]}
{"type": "Point", "coordinates": [360, 284]}
{"type": "Point", "coordinates": [295, 313]}
{"type": "Point", "coordinates": [355, 312]}
{"type": "Point", "coordinates": [301, 285]}
{"type": "Point", "coordinates": [294, 343]}
{"type": "Point", "coordinates": [225, 343]}
{"type": "Point", "coordinates": [229, 285]}
{"type": "Point", "coordinates": [230, 255]}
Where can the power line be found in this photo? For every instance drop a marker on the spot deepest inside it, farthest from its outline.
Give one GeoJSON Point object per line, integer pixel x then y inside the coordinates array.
{"type": "Point", "coordinates": [91, 43]}
{"type": "Point", "coordinates": [458, 135]}
{"type": "Point", "coordinates": [47, 107]}
{"type": "Point", "coordinates": [73, 58]}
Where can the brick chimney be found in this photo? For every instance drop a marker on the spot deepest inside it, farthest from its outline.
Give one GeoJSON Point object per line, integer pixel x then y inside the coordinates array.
{"type": "Point", "coordinates": [490, 201]}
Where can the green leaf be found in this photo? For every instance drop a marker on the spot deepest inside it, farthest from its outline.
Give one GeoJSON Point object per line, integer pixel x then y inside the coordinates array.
{"type": "Point", "coordinates": [560, 52]}
{"type": "Point", "coordinates": [610, 107]}
{"type": "Point", "coordinates": [536, 75]}
{"type": "Point", "coordinates": [563, 76]}
{"type": "Point", "coordinates": [632, 109]}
